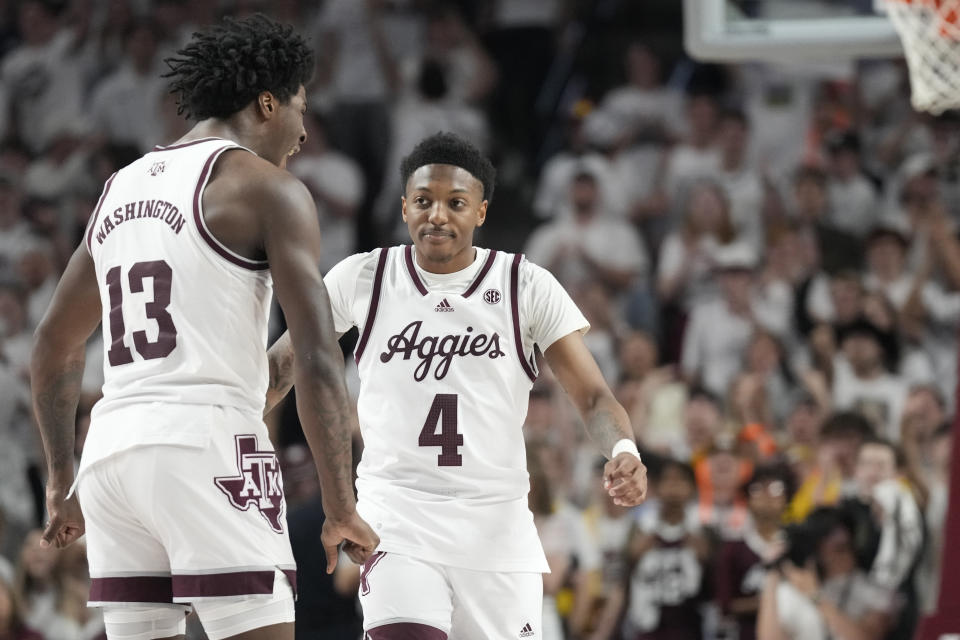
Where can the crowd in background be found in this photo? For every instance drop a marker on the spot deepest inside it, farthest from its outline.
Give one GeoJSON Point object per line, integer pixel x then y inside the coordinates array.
{"type": "Point", "coordinates": [766, 255]}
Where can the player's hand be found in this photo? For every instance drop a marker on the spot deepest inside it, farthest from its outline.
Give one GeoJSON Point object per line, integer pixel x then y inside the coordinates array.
{"type": "Point", "coordinates": [359, 540]}
{"type": "Point", "coordinates": [66, 524]}
{"type": "Point", "coordinates": [625, 479]}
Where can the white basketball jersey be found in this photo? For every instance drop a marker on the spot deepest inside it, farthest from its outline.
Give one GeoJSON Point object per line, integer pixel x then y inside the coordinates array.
{"type": "Point", "coordinates": [444, 391]}
{"type": "Point", "coordinates": [184, 318]}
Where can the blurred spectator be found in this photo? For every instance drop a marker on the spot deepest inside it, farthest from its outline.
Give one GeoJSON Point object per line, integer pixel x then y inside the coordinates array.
{"type": "Point", "coordinates": [644, 108]}
{"type": "Point", "coordinates": [744, 185]}
{"type": "Point", "coordinates": [900, 523]}
{"type": "Point", "coordinates": [862, 382]}
{"type": "Point", "coordinates": [12, 626]}
{"type": "Point", "coordinates": [44, 77]}
{"type": "Point", "coordinates": [601, 340]}
{"type": "Point", "coordinates": [36, 583]}
{"type": "Point", "coordinates": [887, 273]}
{"type": "Point", "coordinates": [720, 477]}
{"type": "Point", "coordinates": [740, 570]}
{"type": "Point", "coordinates": [450, 42]}
{"type": "Point", "coordinates": [589, 244]}
{"type": "Point", "coordinates": [766, 360]}
{"type": "Point", "coordinates": [37, 271]}
{"type": "Point", "coordinates": [599, 600]}
{"type": "Point", "coordinates": [16, 340]}
{"type": "Point", "coordinates": [363, 76]}
{"type": "Point", "coordinates": [935, 514]}
{"type": "Point", "coordinates": [702, 422]}
{"type": "Point", "coordinates": [125, 105]}
{"type": "Point", "coordinates": [560, 543]}
{"type": "Point", "coordinates": [45, 219]}
{"type": "Point", "coordinates": [836, 458]}
{"type": "Point", "coordinates": [72, 619]}
{"type": "Point", "coordinates": [687, 256]}
{"type": "Point", "coordinates": [719, 330]}
{"type": "Point", "coordinates": [819, 592]}
{"type": "Point", "coordinates": [924, 414]}
{"type": "Point", "coordinates": [552, 197]}
{"type": "Point", "coordinates": [337, 185]}
{"type": "Point", "coordinates": [853, 198]}
{"type": "Point", "coordinates": [652, 394]}
{"type": "Point", "coordinates": [14, 231]}
{"type": "Point", "coordinates": [839, 249]}
{"type": "Point", "coordinates": [698, 156]}
{"type": "Point", "coordinates": [668, 552]}
{"type": "Point", "coordinates": [62, 168]}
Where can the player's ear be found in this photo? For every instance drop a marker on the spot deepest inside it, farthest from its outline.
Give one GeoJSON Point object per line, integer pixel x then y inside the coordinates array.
{"type": "Point", "coordinates": [403, 207]}
{"type": "Point", "coordinates": [482, 213]}
{"type": "Point", "coordinates": [266, 104]}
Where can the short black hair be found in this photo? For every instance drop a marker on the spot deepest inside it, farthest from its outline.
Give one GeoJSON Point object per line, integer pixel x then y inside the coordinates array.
{"type": "Point", "coordinates": [846, 424]}
{"type": "Point", "coordinates": [448, 148]}
{"type": "Point", "coordinates": [735, 114]}
{"type": "Point", "coordinates": [685, 470]}
{"type": "Point", "coordinates": [226, 66]}
{"type": "Point", "coordinates": [772, 472]}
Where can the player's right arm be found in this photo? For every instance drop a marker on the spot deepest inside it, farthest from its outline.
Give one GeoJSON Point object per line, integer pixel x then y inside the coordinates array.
{"type": "Point", "coordinates": [56, 371]}
{"type": "Point", "coordinates": [291, 239]}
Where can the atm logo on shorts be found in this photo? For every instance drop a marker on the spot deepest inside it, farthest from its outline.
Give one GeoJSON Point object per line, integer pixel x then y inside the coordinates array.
{"type": "Point", "coordinates": [259, 484]}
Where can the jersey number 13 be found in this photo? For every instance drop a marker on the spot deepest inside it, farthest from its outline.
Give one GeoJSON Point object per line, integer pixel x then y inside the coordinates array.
{"type": "Point", "coordinates": [162, 275]}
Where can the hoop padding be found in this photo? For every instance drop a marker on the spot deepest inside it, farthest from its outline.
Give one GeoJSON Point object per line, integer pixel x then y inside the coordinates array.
{"type": "Point", "coordinates": [930, 32]}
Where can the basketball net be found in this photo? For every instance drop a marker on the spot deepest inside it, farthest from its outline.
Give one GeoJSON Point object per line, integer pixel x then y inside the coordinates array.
{"type": "Point", "coordinates": [930, 33]}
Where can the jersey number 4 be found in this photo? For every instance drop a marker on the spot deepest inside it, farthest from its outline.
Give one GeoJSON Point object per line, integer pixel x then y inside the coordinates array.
{"type": "Point", "coordinates": [161, 274]}
{"type": "Point", "coordinates": [443, 411]}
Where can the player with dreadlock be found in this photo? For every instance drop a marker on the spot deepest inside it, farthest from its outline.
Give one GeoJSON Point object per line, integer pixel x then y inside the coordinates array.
{"type": "Point", "coordinates": [180, 488]}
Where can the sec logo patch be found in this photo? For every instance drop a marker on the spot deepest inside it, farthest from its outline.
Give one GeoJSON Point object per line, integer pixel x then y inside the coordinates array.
{"type": "Point", "coordinates": [491, 296]}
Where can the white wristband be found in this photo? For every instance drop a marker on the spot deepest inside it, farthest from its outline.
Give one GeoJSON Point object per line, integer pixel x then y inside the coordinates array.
{"type": "Point", "coordinates": [625, 445]}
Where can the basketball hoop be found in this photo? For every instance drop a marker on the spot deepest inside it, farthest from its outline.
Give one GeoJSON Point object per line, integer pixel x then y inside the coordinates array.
{"type": "Point", "coordinates": [930, 33]}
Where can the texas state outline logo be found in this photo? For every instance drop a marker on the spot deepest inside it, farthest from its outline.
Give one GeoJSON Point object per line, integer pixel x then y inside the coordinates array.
{"type": "Point", "coordinates": [259, 483]}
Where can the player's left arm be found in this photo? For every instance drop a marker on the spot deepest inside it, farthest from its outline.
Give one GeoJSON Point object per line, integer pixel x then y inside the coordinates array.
{"type": "Point", "coordinates": [56, 371]}
{"type": "Point", "coordinates": [606, 421]}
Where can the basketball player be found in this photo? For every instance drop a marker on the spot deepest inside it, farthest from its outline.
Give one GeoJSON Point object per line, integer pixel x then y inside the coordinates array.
{"type": "Point", "coordinates": [446, 361]}
{"type": "Point", "coordinates": [179, 484]}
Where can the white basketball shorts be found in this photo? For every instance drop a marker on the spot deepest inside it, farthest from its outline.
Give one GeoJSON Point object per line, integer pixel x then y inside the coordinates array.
{"type": "Point", "coordinates": [173, 524]}
{"type": "Point", "coordinates": [403, 597]}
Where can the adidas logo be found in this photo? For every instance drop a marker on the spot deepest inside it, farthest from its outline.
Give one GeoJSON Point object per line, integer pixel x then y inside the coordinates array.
{"type": "Point", "coordinates": [444, 306]}
{"type": "Point", "coordinates": [527, 631]}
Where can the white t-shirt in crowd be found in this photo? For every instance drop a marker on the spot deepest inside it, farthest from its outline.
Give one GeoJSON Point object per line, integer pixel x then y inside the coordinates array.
{"type": "Point", "coordinates": [608, 241]}
{"type": "Point", "coordinates": [880, 399]}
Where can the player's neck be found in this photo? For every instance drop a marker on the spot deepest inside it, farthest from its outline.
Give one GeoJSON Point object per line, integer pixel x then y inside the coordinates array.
{"type": "Point", "coordinates": [458, 262]}
{"type": "Point", "coordinates": [232, 129]}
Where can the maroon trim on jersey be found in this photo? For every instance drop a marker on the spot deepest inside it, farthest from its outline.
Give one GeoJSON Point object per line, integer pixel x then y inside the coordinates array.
{"type": "Point", "coordinates": [153, 589]}
{"type": "Point", "coordinates": [374, 303]}
{"type": "Point", "coordinates": [405, 631]}
{"type": "Point", "coordinates": [515, 312]}
{"type": "Point", "coordinates": [96, 212]}
{"type": "Point", "coordinates": [222, 251]}
{"type": "Point", "coordinates": [236, 583]}
{"type": "Point", "coordinates": [408, 258]}
{"type": "Point", "coordinates": [185, 144]}
{"type": "Point", "coordinates": [484, 270]}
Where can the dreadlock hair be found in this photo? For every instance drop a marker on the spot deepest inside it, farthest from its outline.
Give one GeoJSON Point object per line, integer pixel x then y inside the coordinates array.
{"type": "Point", "coordinates": [447, 148]}
{"type": "Point", "coordinates": [229, 64]}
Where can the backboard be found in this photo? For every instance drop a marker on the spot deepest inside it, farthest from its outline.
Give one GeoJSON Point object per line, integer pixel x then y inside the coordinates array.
{"type": "Point", "coordinates": [787, 30]}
